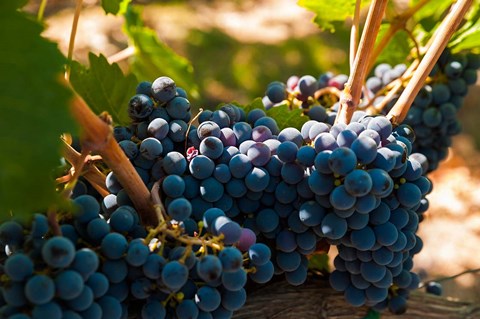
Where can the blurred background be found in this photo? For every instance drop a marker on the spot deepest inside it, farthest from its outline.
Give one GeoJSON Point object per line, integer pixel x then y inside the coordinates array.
{"type": "Point", "coordinates": [238, 46]}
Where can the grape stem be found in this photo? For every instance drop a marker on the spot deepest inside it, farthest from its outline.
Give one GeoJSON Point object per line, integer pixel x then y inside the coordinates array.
{"type": "Point", "coordinates": [41, 10]}
{"type": "Point", "coordinates": [121, 55]}
{"type": "Point", "coordinates": [446, 29]}
{"type": "Point", "coordinates": [77, 168]}
{"type": "Point", "coordinates": [397, 24]}
{"type": "Point", "coordinates": [353, 88]}
{"type": "Point", "coordinates": [97, 136]}
{"type": "Point", "coordinates": [53, 221]}
{"type": "Point", "coordinates": [73, 33]}
{"type": "Point", "coordinates": [468, 271]}
{"type": "Point", "coordinates": [157, 202]}
{"type": "Point", "coordinates": [91, 172]}
{"type": "Point", "coordinates": [354, 32]}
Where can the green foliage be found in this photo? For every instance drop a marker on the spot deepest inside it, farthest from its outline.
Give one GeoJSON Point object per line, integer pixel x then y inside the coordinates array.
{"type": "Point", "coordinates": [115, 6]}
{"type": "Point", "coordinates": [286, 117]}
{"type": "Point", "coordinates": [329, 12]}
{"type": "Point", "coordinates": [468, 36]}
{"type": "Point", "coordinates": [319, 262]}
{"type": "Point", "coordinates": [397, 49]}
{"type": "Point", "coordinates": [104, 87]}
{"type": "Point", "coordinates": [256, 104]}
{"type": "Point", "coordinates": [34, 114]}
{"type": "Point", "coordinates": [372, 314]}
{"type": "Point", "coordinates": [431, 14]}
{"type": "Point", "coordinates": [154, 58]}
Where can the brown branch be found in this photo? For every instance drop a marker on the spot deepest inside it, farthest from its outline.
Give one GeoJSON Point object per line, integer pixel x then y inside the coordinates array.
{"type": "Point", "coordinates": [316, 300]}
{"type": "Point", "coordinates": [354, 33]}
{"type": "Point", "coordinates": [53, 221]}
{"type": "Point", "coordinates": [353, 88]}
{"type": "Point", "coordinates": [446, 29]}
{"type": "Point", "coordinates": [91, 172]}
{"type": "Point", "coordinates": [73, 33]}
{"type": "Point", "coordinates": [97, 135]}
{"type": "Point", "coordinates": [398, 24]}
{"type": "Point", "coordinates": [121, 55]}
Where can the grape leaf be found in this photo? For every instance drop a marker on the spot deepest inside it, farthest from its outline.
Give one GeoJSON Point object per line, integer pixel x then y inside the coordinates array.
{"type": "Point", "coordinates": [104, 87]}
{"type": "Point", "coordinates": [372, 314]}
{"type": "Point", "coordinates": [329, 12]}
{"type": "Point", "coordinates": [115, 6]}
{"type": "Point", "coordinates": [430, 14]}
{"type": "Point", "coordinates": [153, 58]}
{"type": "Point", "coordinates": [468, 36]}
{"type": "Point", "coordinates": [397, 49]}
{"type": "Point", "coordinates": [319, 262]}
{"type": "Point", "coordinates": [35, 112]}
{"type": "Point", "coordinates": [286, 117]}
{"type": "Point", "coordinates": [256, 104]}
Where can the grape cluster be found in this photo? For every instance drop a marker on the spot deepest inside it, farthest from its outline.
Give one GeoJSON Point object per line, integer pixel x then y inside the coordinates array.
{"type": "Point", "coordinates": [106, 265]}
{"type": "Point", "coordinates": [103, 268]}
{"type": "Point", "coordinates": [433, 115]}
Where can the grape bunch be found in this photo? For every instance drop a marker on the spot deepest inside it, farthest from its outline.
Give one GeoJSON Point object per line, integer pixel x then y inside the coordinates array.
{"type": "Point", "coordinates": [292, 189]}
{"type": "Point", "coordinates": [103, 268]}
{"type": "Point", "coordinates": [434, 113]}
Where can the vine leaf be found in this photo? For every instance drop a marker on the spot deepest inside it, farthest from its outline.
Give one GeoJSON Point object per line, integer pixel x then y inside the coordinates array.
{"type": "Point", "coordinates": [286, 117]}
{"type": "Point", "coordinates": [115, 6]}
{"type": "Point", "coordinates": [35, 112]}
{"type": "Point", "coordinates": [329, 12]}
{"type": "Point", "coordinates": [104, 87]}
{"type": "Point", "coordinates": [319, 262]}
{"type": "Point", "coordinates": [468, 37]}
{"type": "Point", "coordinates": [256, 104]}
{"type": "Point", "coordinates": [372, 314]}
{"type": "Point", "coordinates": [153, 58]}
{"type": "Point", "coordinates": [397, 49]}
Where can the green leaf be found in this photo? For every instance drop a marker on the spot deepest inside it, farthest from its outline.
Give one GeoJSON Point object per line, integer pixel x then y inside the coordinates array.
{"type": "Point", "coordinates": [286, 117]}
{"type": "Point", "coordinates": [154, 58]}
{"type": "Point", "coordinates": [104, 87]}
{"type": "Point", "coordinates": [329, 12]}
{"type": "Point", "coordinates": [468, 36]}
{"type": "Point", "coordinates": [115, 6]}
{"type": "Point", "coordinates": [430, 14]}
{"type": "Point", "coordinates": [319, 262]}
{"type": "Point", "coordinates": [256, 104]}
{"type": "Point", "coordinates": [372, 314]}
{"type": "Point", "coordinates": [397, 49]}
{"type": "Point", "coordinates": [35, 112]}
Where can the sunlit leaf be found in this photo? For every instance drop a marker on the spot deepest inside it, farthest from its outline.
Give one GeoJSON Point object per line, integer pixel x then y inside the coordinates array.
{"type": "Point", "coordinates": [104, 87]}
{"type": "Point", "coordinates": [153, 58]}
{"type": "Point", "coordinates": [35, 112]}
{"type": "Point", "coordinates": [115, 6]}
{"type": "Point", "coordinates": [286, 117]}
{"type": "Point", "coordinates": [329, 12]}
{"type": "Point", "coordinates": [398, 47]}
{"type": "Point", "coordinates": [319, 262]}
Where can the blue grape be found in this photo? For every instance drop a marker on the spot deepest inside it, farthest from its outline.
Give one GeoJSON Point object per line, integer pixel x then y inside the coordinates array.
{"type": "Point", "coordinates": [363, 239]}
{"type": "Point", "coordinates": [259, 254]}
{"type": "Point", "coordinates": [68, 284]}
{"type": "Point", "coordinates": [174, 275]}
{"type": "Point", "coordinates": [234, 280]}
{"type": "Point", "coordinates": [163, 89]}
{"type": "Point", "coordinates": [39, 289]}
{"type": "Point", "coordinates": [18, 267]}
{"type": "Point", "coordinates": [179, 209]}
{"type": "Point", "coordinates": [58, 252]}
{"type": "Point", "coordinates": [230, 229]}
{"type": "Point", "coordinates": [114, 245]}
{"type": "Point", "coordinates": [85, 262]}
{"type": "Point", "coordinates": [207, 298]}
{"type": "Point", "coordinates": [99, 284]}
{"type": "Point", "coordinates": [234, 300]}
{"type": "Point", "coordinates": [140, 107]}
{"type": "Point", "coordinates": [209, 268]}
{"type": "Point", "coordinates": [263, 273]}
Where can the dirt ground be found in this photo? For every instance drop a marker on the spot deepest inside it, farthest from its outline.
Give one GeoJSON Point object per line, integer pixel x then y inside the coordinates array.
{"type": "Point", "coordinates": [451, 231]}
